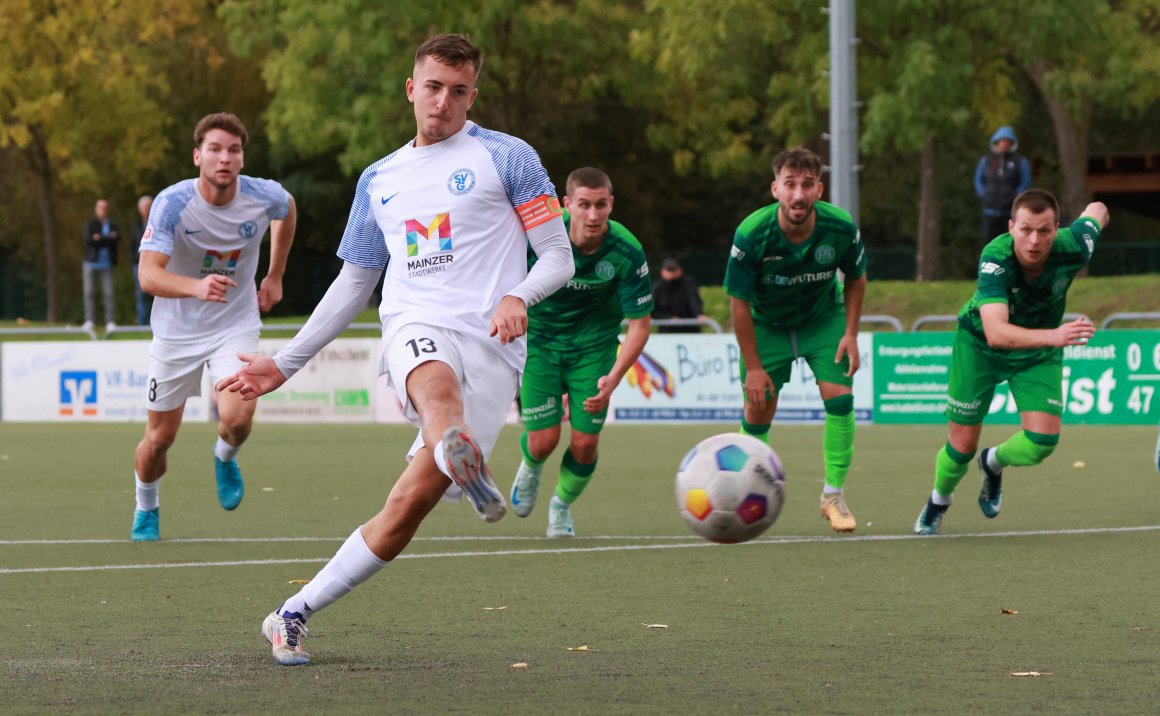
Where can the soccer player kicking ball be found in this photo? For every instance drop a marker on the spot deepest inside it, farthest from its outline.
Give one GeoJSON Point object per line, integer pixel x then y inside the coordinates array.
{"type": "Point", "coordinates": [199, 254]}
{"type": "Point", "coordinates": [1010, 331]}
{"type": "Point", "coordinates": [787, 303]}
{"type": "Point", "coordinates": [572, 347]}
{"type": "Point", "coordinates": [450, 216]}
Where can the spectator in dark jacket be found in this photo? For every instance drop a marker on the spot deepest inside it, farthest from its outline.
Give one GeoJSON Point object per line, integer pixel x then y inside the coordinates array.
{"type": "Point", "coordinates": [999, 178]}
{"type": "Point", "coordinates": [144, 204]}
{"type": "Point", "coordinates": [101, 237]}
{"type": "Point", "coordinates": [675, 295]}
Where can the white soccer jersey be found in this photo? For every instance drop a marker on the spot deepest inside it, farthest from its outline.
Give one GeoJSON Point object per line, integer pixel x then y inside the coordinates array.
{"type": "Point", "coordinates": [448, 221]}
{"type": "Point", "coordinates": [201, 239]}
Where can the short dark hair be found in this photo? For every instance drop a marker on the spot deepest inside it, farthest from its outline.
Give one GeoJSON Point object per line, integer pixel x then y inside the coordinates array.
{"type": "Point", "coordinates": [219, 120]}
{"type": "Point", "coordinates": [589, 178]}
{"type": "Point", "coordinates": [799, 159]}
{"type": "Point", "coordinates": [1036, 201]}
{"type": "Point", "coordinates": [453, 49]}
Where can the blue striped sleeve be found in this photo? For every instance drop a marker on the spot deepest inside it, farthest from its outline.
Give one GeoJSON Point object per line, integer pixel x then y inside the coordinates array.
{"type": "Point", "coordinates": [363, 243]}
{"type": "Point", "coordinates": [519, 167]}
{"type": "Point", "coordinates": [270, 193]}
{"type": "Point", "coordinates": [165, 215]}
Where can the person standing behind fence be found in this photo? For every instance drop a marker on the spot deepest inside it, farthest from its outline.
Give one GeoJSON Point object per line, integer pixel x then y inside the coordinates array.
{"type": "Point", "coordinates": [141, 299]}
{"type": "Point", "coordinates": [1000, 176]}
{"type": "Point", "coordinates": [676, 295]}
{"type": "Point", "coordinates": [101, 236]}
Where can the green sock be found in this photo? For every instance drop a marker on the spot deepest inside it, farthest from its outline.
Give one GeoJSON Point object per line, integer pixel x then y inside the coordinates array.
{"type": "Point", "coordinates": [531, 461]}
{"type": "Point", "coordinates": [838, 439]}
{"type": "Point", "coordinates": [574, 477]}
{"type": "Point", "coordinates": [950, 466]}
{"type": "Point", "coordinates": [1025, 448]}
{"type": "Point", "coordinates": [761, 432]}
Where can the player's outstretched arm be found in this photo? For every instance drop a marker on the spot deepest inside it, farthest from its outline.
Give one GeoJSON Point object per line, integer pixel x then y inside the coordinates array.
{"type": "Point", "coordinates": [281, 237]}
{"type": "Point", "coordinates": [1004, 335]}
{"type": "Point", "coordinates": [158, 281]}
{"type": "Point", "coordinates": [634, 341]}
{"type": "Point", "coordinates": [342, 302]}
{"type": "Point", "coordinates": [259, 376]}
{"type": "Point", "coordinates": [347, 295]}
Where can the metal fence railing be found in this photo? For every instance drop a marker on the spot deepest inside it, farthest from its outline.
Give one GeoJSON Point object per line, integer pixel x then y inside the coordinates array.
{"type": "Point", "coordinates": [953, 318]}
{"type": "Point", "coordinates": [1130, 316]}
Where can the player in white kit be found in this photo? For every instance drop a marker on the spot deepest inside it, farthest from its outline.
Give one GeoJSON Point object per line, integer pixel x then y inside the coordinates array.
{"type": "Point", "coordinates": [199, 256]}
{"type": "Point", "coordinates": [450, 216]}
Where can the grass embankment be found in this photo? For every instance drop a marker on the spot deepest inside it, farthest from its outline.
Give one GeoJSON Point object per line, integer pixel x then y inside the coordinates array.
{"type": "Point", "coordinates": [1095, 297]}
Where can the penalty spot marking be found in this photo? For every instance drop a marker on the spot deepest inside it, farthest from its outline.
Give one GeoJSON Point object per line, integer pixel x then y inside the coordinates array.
{"type": "Point", "coordinates": [608, 548]}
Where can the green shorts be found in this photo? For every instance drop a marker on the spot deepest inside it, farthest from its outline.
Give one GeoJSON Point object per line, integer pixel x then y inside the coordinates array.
{"type": "Point", "coordinates": [1036, 383]}
{"type": "Point", "coordinates": [817, 343]}
{"type": "Point", "coordinates": [549, 375]}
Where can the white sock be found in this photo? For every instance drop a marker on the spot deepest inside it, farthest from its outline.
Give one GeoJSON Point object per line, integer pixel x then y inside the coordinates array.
{"type": "Point", "coordinates": [146, 493]}
{"type": "Point", "coordinates": [441, 459]}
{"type": "Point", "coordinates": [224, 451]}
{"type": "Point", "coordinates": [353, 564]}
{"type": "Point", "coordinates": [827, 490]}
{"type": "Point", "coordinates": [993, 461]}
{"type": "Point", "coordinates": [939, 499]}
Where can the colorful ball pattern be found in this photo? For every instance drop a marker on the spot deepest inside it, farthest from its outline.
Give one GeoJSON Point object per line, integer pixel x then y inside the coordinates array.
{"type": "Point", "coordinates": [730, 488]}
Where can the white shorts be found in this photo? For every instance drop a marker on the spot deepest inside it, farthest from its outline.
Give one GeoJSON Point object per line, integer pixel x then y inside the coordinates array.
{"type": "Point", "coordinates": [488, 384]}
{"type": "Point", "coordinates": [171, 382]}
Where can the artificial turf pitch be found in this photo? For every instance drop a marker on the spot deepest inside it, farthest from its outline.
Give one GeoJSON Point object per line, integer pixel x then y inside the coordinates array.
{"type": "Point", "coordinates": [802, 621]}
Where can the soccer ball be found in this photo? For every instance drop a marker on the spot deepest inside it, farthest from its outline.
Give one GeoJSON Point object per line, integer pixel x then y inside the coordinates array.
{"type": "Point", "coordinates": [730, 488]}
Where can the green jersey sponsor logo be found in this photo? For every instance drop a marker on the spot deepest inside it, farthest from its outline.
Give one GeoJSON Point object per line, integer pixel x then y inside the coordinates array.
{"type": "Point", "coordinates": [790, 284]}
{"type": "Point", "coordinates": [609, 284]}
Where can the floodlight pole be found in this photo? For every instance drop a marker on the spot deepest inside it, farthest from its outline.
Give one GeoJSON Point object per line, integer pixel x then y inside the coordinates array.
{"type": "Point", "coordinates": [843, 107]}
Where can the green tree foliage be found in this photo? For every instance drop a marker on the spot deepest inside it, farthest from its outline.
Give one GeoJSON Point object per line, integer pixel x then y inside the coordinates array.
{"type": "Point", "coordinates": [81, 102]}
{"type": "Point", "coordinates": [337, 70]}
{"type": "Point", "coordinates": [558, 75]}
{"type": "Point", "coordinates": [737, 80]}
{"type": "Point", "coordinates": [1080, 54]}
{"type": "Point", "coordinates": [920, 61]}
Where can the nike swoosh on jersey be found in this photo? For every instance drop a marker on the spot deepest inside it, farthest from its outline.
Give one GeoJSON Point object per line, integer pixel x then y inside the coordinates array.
{"type": "Point", "coordinates": [192, 231]}
{"type": "Point", "coordinates": [388, 198]}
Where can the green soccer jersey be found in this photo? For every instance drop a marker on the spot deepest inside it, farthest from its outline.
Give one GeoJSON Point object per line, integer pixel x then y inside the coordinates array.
{"type": "Point", "coordinates": [1031, 304]}
{"type": "Point", "coordinates": [790, 285]}
{"type": "Point", "coordinates": [609, 285]}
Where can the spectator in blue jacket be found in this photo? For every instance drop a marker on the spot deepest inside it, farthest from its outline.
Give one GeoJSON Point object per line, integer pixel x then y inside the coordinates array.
{"type": "Point", "coordinates": [999, 178]}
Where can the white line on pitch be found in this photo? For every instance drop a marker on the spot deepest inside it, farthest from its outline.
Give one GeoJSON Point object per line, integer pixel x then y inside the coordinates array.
{"type": "Point", "coordinates": [459, 538]}
{"type": "Point", "coordinates": [608, 548]}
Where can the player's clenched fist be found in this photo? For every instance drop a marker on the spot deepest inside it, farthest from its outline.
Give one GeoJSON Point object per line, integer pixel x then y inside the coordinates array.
{"type": "Point", "coordinates": [213, 288]}
{"type": "Point", "coordinates": [510, 320]}
{"type": "Point", "coordinates": [1075, 333]}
